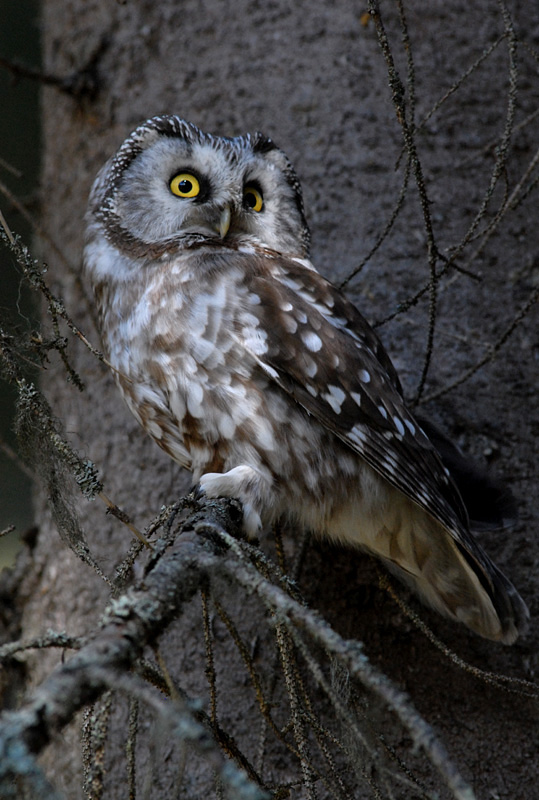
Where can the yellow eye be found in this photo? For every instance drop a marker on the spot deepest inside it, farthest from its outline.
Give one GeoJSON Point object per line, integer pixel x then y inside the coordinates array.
{"type": "Point", "coordinates": [185, 185]}
{"type": "Point", "coordinates": [253, 198]}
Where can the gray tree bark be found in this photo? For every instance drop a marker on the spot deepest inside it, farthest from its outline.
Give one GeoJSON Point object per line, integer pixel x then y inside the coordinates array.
{"type": "Point", "coordinates": [315, 77]}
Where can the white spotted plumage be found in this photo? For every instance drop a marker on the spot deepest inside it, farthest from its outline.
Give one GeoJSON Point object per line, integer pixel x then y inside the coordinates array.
{"type": "Point", "coordinates": [255, 373]}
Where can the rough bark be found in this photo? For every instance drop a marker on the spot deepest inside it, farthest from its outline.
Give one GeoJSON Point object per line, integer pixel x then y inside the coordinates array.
{"type": "Point", "coordinates": [315, 77]}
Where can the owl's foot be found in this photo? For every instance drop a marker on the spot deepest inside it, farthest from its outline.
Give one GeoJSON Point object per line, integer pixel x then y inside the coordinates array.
{"type": "Point", "coordinates": [247, 484]}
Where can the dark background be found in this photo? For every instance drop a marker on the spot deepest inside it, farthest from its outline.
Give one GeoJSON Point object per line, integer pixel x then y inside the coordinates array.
{"type": "Point", "coordinates": [19, 147]}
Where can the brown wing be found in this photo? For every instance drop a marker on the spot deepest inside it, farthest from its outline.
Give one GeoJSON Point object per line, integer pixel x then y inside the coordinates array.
{"type": "Point", "coordinates": [325, 355]}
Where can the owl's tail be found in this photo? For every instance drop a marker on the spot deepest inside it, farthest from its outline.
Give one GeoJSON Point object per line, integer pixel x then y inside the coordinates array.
{"type": "Point", "coordinates": [461, 583]}
{"type": "Point", "coordinates": [455, 577]}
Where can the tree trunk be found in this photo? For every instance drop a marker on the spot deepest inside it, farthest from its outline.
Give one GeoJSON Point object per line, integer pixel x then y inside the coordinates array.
{"type": "Point", "coordinates": [314, 76]}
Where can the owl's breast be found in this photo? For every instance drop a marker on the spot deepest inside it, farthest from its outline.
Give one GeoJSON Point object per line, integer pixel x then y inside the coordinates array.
{"type": "Point", "coordinates": [186, 357]}
{"type": "Point", "coordinates": [182, 369]}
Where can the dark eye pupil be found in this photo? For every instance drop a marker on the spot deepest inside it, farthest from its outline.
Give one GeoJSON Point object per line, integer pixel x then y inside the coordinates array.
{"type": "Point", "coordinates": [250, 199]}
{"type": "Point", "coordinates": [185, 186]}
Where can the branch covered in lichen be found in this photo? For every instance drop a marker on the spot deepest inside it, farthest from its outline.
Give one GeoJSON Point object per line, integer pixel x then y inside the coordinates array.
{"type": "Point", "coordinates": [203, 551]}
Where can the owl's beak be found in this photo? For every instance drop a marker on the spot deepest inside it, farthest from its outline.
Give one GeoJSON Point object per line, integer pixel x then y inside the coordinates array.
{"type": "Point", "coordinates": [224, 222]}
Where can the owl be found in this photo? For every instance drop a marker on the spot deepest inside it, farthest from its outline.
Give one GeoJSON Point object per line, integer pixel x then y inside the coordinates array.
{"type": "Point", "coordinates": [251, 370]}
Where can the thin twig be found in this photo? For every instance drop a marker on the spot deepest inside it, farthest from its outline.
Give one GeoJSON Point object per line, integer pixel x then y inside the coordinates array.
{"type": "Point", "coordinates": [351, 654]}
{"type": "Point", "coordinates": [505, 682]}
{"type": "Point", "coordinates": [491, 351]}
{"type": "Point", "coordinates": [398, 96]}
{"type": "Point", "coordinates": [132, 621]}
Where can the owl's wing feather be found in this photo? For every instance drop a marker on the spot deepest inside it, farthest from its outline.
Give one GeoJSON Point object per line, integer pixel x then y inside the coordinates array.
{"type": "Point", "coordinates": [318, 348]}
{"type": "Point", "coordinates": [322, 352]}
{"type": "Point", "coordinates": [336, 368]}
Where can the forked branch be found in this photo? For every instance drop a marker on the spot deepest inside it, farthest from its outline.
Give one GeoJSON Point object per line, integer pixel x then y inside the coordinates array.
{"type": "Point", "coordinates": [202, 550]}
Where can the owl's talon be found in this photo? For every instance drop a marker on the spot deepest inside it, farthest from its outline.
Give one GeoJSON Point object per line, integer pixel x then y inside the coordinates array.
{"type": "Point", "coordinates": [197, 492]}
{"type": "Point", "coordinates": [239, 483]}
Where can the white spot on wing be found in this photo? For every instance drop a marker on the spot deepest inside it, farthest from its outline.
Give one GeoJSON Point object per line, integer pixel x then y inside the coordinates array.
{"type": "Point", "coordinates": [290, 324]}
{"type": "Point", "coordinates": [399, 426]}
{"type": "Point", "coordinates": [423, 495]}
{"type": "Point", "coordinates": [390, 466]}
{"type": "Point", "coordinates": [335, 397]}
{"type": "Point", "coordinates": [356, 397]}
{"type": "Point", "coordinates": [291, 283]}
{"type": "Point", "coordinates": [364, 376]}
{"type": "Point", "coordinates": [357, 435]}
{"type": "Point", "coordinates": [270, 371]}
{"type": "Point", "coordinates": [410, 426]}
{"type": "Point", "coordinates": [310, 367]}
{"type": "Point", "coordinates": [312, 341]}
{"type": "Point", "coordinates": [304, 262]}
{"type": "Point", "coordinates": [250, 320]}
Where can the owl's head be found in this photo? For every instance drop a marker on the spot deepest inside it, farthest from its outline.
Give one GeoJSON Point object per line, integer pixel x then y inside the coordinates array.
{"type": "Point", "coordinates": [170, 185]}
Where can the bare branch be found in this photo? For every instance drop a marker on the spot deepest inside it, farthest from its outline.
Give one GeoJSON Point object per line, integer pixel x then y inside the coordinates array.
{"type": "Point", "coordinates": [176, 571]}
{"type": "Point", "coordinates": [131, 622]}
